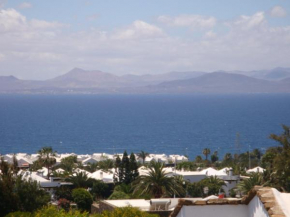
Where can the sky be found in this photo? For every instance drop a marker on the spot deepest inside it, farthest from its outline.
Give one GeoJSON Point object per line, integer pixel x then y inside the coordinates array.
{"type": "Point", "coordinates": [44, 39]}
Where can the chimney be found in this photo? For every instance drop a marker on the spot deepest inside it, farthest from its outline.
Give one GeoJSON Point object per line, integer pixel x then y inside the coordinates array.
{"type": "Point", "coordinates": [231, 172]}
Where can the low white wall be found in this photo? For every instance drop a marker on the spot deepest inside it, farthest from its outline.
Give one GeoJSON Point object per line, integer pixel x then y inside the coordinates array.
{"type": "Point", "coordinates": [256, 208]}
{"type": "Point", "coordinates": [214, 210]}
{"type": "Point", "coordinates": [194, 178]}
{"type": "Point", "coordinates": [283, 199]}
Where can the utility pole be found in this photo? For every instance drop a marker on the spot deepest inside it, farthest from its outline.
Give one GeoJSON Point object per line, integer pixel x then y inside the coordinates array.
{"type": "Point", "coordinates": [249, 158]}
{"type": "Point", "coordinates": [174, 171]}
{"type": "Point", "coordinates": [238, 147]}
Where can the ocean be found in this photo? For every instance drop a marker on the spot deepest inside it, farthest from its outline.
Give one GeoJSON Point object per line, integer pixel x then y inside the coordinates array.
{"type": "Point", "coordinates": [170, 124]}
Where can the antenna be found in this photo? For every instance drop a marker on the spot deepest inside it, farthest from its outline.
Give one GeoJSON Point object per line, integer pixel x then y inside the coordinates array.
{"type": "Point", "coordinates": [238, 146]}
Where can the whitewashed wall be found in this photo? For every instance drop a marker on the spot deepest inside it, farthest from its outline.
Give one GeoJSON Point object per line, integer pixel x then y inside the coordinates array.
{"type": "Point", "coordinates": [256, 208]}
{"type": "Point", "coordinates": [214, 210]}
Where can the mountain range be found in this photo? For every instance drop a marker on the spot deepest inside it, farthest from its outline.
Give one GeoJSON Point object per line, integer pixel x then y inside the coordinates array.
{"type": "Point", "coordinates": [81, 81]}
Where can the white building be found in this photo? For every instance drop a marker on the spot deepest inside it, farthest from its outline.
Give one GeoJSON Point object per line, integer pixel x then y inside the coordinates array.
{"type": "Point", "coordinates": [105, 176]}
{"type": "Point", "coordinates": [256, 170]}
{"type": "Point", "coordinates": [260, 202]}
{"type": "Point", "coordinates": [224, 174]}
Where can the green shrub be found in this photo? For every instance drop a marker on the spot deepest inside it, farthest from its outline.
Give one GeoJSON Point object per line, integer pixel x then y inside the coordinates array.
{"type": "Point", "coordinates": [52, 211]}
{"type": "Point", "coordinates": [82, 198]}
{"type": "Point", "coordinates": [99, 189]}
{"type": "Point", "coordinates": [117, 195]}
{"type": "Point", "coordinates": [63, 192]}
{"type": "Point", "coordinates": [126, 212]}
{"type": "Point", "coordinates": [64, 204]}
{"type": "Point", "coordinates": [19, 214]}
{"type": "Point", "coordinates": [232, 193]}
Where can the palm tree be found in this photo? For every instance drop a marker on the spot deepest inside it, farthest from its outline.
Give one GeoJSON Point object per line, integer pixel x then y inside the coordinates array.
{"type": "Point", "coordinates": [198, 159]}
{"type": "Point", "coordinates": [228, 156]}
{"type": "Point", "coordinates": [46, 157]}
{"type": "Point", "coordinates": [106, 164]}
{"type": "Point", "coordinates": [257, 153]}
{"type": "Point", "coordinates": [14, 165]}
{"type": "Point", "coordinates": [206, 152]}
{"type": "Point", "coordinates": [282, 159]}
{"type": "Point", "coordinates": [247, 184]}
{"type": "Point", "coordinates": [157, 183]}
{"type": "Point", "coordinates": [143, 155]}
{"type": "Point", "coordinates": [214, 180]}
{"type": "Point", "coordinates": [187, 166]}
{"type": "Point", "coordinates": [80, 180]}
{"type": "Point", "coordinates": [68, 163]}
{"type": "Point", "coordinates": [214, 184]}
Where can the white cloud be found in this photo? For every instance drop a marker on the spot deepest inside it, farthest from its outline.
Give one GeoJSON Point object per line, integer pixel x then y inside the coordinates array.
{"type": "Point", "coordinates": [193, 21]}
{"type": "Point", "coordinates": [25, 5]}
{"type": "Point", "coordinates": [12, 21]}
{"type": "Point", "coordinates": [278, 11]}
{"type": "Point", "coordinates": [139, 30]}
{"type": "Point", "coordinates": [249, 22]}
{"type": "Point", "coordinates": [44, 49]}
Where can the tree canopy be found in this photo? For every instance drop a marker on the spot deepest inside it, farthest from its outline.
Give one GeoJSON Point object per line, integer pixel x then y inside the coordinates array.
{"type": "Point", "coordinates": [82, 198]}
{"type": "Point", "coordinates": [17, 194]}
{"type": "Point", "coordinates": [157, 183]}
{"type": "Point", "coordinates": [46, 157]}
{"type": "Point", "coordinates": [143, 155]}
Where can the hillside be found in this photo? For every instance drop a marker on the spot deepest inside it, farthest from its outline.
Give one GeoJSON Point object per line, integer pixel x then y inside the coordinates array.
{"type": "Point", "coordinates": [278, 73]}
{"type": "Point", "coordinates": [97, 82]}
{"type": "Point", "coordinates": [220, 82]}
{"type": "Point", "coordinates": [10, 84]}
{"type": "Point", "coordinates": [79, 78]}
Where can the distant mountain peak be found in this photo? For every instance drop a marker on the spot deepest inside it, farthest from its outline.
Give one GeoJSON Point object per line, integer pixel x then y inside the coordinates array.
{"type": "Point", "coordinates": [78, 80]}
{"type": "Point", "coordinates": [81, 71]}
{"type": "Point", "coordinates": [76, 69]}
{"type": "Point", "coordinates": [8, 78]}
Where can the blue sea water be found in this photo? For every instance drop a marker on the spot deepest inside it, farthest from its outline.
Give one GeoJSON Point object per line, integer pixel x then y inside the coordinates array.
{"type": "Point", "coordinates": [170, 124]}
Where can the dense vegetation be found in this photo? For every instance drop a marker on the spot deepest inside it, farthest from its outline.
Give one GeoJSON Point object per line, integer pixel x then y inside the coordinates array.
{"type": "Point", "coordinates": [157, 183]}
{"type": "Point", "coordinates": [52, 211]}
{"type": "Point", "coordinates": [18, 194]}
{"type": "Point", "coordinates": [213, 184]}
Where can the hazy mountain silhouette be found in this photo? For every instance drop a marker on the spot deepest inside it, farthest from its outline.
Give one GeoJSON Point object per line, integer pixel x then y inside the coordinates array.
{"type": "Point", "coordinates": [221, 82]}
{"type": "Point", "coordinates": [278, 73]}
{"type": "Point", "coordinates": [79, 78]}
{"type": "Point", "coordinates": [13, 84]}
{"type": "Point", "coordinates": [156, 79]}
{"type": "Point", "coordinates": [94, 81]}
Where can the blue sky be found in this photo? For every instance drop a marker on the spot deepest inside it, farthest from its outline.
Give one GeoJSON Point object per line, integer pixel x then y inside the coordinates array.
{"type": "Point", "coordinates": [43, 39]}
{"type": "Point", "coordinates": [82, 14]}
